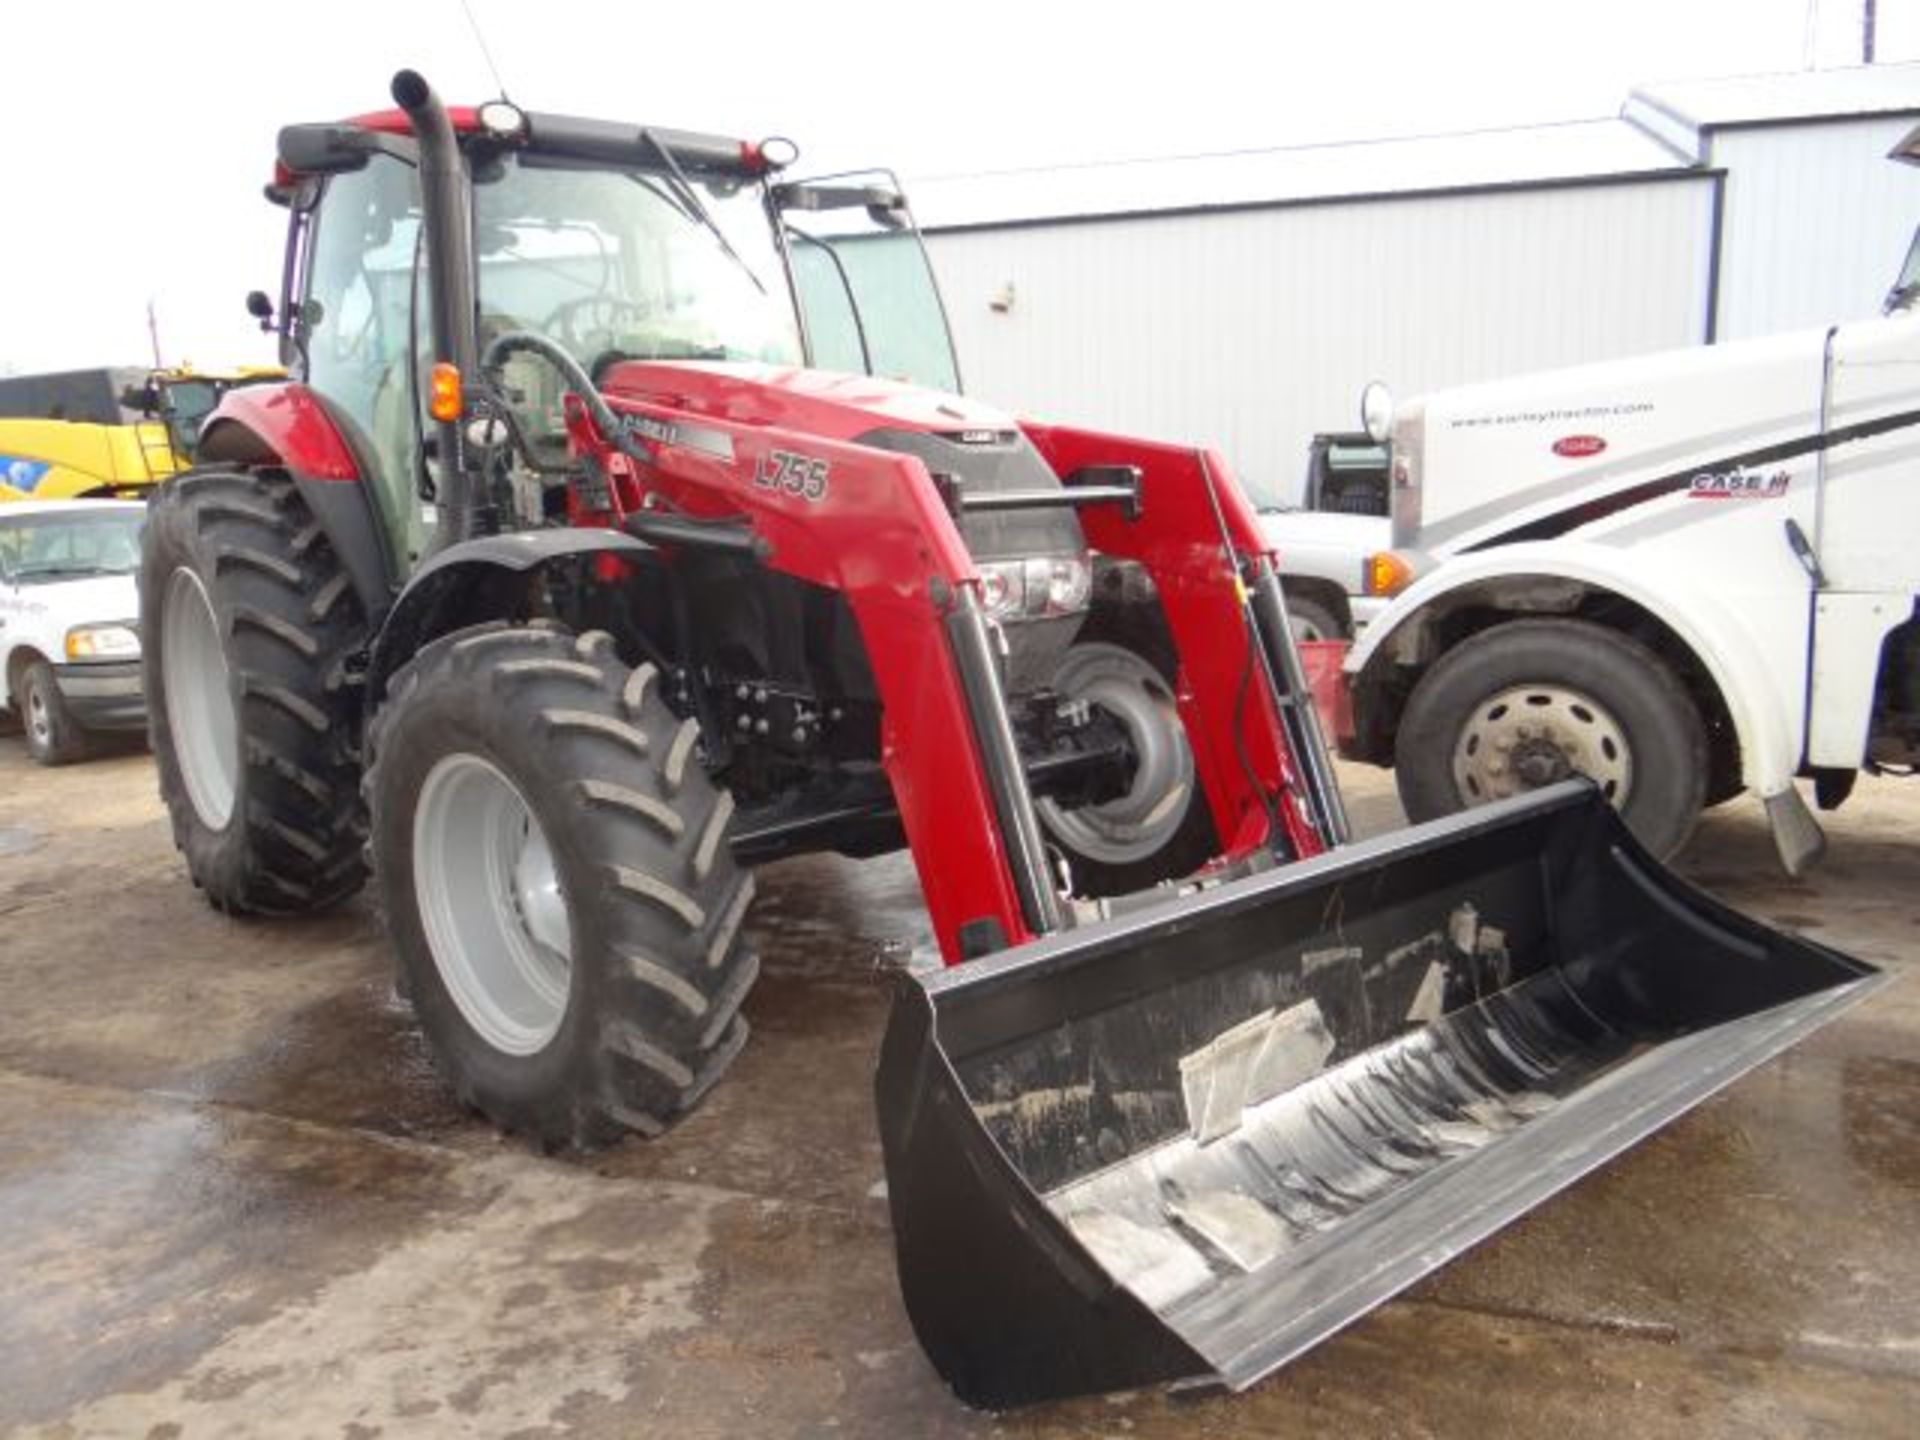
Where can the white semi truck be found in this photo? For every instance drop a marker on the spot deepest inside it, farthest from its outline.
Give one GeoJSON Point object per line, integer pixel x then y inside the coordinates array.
{"type": "Point", "coordinates": [1686, 575]}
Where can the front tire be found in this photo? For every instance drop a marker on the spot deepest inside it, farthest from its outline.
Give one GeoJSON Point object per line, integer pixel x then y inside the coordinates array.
{"type": "Point", "coordinates": [556, 874]}
{"type": "Point", "coordinates": [1161, 829]}
{"type": "Point", "coordinates": [247, 622]}
{"type": "Point", "coordinates": [1529, 702]}
{"type": "Point", "coordinates": [54, 737]}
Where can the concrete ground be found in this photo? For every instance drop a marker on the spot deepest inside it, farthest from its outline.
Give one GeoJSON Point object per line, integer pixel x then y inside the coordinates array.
{"type": "Point", "coordinates": [234, 1200]}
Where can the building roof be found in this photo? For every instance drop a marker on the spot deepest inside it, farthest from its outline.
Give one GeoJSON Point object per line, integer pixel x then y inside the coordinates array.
{"type": "Point", "coordinates": [1295, 175]}
{"type": "Point", "coordinates": [1662, 132]}
{"type": "Point", "coordinates": [1860, 90]}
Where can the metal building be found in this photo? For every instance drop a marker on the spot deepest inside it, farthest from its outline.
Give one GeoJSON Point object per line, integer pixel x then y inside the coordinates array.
{"type": "Point", "coordinates": [1245, 299]}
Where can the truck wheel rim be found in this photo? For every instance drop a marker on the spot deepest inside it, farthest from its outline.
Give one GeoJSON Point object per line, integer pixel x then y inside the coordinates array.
{"type": "Point", "coordinates": [1527, 736]}
{"type": "Point", "coordinates": [491, 904]}
{"type": "Point", "coordinates": [39, 723]}
{"type": "Point", "coordinates": [200, 714]}
{"type": "Point", "coordinates": [1135, 826]}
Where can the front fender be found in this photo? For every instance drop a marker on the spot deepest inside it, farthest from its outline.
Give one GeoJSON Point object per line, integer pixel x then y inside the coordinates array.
{"type": "Point", "coordinates": [1766, 715]}
{"type": "Point", "coordinates": [475, 581]}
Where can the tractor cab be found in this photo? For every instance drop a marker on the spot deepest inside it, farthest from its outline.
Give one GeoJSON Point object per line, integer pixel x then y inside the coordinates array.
{"type": "Point", "coordinates": [617, 243]}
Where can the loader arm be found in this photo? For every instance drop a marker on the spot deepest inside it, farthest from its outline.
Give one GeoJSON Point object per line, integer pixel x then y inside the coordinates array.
{"type": "Point", "coordinates": [874, 526]}
{"type": "Point", "coordinates": [1196, 534]}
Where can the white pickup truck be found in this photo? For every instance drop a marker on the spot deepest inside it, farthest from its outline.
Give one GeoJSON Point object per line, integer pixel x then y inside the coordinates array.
{"type": "Point", "coordinates": [69, 651]}
{"type": "Point", "coordinates": [1686, 575]}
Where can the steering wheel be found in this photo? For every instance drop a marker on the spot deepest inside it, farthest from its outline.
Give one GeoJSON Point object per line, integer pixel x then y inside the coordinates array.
{"type": "Point", "coordinates": [575, 322]}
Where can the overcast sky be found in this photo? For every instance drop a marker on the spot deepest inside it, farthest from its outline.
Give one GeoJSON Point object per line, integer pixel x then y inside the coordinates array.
{"type": "Point", "coordinates": [140, 135]}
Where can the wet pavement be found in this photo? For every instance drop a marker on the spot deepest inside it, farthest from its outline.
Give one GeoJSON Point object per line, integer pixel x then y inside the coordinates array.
{"type": "Point", "coordinates": [235, 1199]}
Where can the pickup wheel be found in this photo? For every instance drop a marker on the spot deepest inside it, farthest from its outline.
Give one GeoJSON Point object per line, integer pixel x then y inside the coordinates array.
{"type": "Point", "coordinates": [54, 737]}
{"type": "Point", "coordinates": [1161, 829]}
{"type": "Point", "coordinates": [555, 869]}
{"type": "Point", "coordinates": [248, 620]}
{"type": "Point", "coordinates": [1530, 702]}
{"type": "Point", "coordinates": [1312, 620]}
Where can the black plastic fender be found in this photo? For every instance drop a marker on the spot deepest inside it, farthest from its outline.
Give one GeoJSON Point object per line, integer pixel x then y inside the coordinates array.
{"type": "Point", "coordinates": [474, 581]}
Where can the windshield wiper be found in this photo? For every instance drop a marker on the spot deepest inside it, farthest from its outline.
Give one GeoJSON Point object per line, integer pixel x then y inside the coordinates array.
{"type": "Point", "coordinates": [690, 198]}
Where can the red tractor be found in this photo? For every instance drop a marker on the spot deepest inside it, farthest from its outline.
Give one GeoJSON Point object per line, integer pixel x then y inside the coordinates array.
{"type": "Point", "coordinates": [621, 529]}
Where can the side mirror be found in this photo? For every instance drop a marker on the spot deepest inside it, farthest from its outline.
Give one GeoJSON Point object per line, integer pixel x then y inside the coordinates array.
{"type": "Point", "coordinates": [261, 308]}
{"type": "Point", "coordinates": [334, 149]}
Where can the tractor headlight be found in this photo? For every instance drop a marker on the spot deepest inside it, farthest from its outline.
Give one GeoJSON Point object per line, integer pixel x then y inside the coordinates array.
{"type": "Point", "coordinates": [1037, 587]}
{"type": "Point", "coordinates": [102, 642]}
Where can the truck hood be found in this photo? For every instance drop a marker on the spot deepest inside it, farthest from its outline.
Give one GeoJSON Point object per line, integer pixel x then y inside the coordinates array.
{"type": "Point", "coordinates": [1325, 545]}
{"type": "Point", "coordinates": [1537, 456]}
{"type": "Point", "coordinates": [95, 600]}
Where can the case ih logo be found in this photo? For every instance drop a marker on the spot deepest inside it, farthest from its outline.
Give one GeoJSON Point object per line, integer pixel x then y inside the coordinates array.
{"type": "Point", "coordinates": [1740, 483]}
{"type": "Point", "coordinates": [1578, 447]}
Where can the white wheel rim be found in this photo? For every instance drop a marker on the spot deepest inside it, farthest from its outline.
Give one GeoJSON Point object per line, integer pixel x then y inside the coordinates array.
{"type": "Point", "coordinates": [491, 904]}
{"type": "Point", "coordinates": [1527, 736]}
{"type": "Point", "coordinates": [200, 710]}
{"type": "Point", "coordinates": [39, 723]}
{"type": "Point", "coordinates": [1134, 826]}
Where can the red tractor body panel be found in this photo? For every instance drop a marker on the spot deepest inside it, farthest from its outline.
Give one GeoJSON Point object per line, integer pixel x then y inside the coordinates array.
{"type": "Point", "coordinates": [291, 423]}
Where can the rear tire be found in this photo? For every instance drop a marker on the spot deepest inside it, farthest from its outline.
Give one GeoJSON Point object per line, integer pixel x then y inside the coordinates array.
{"type": "Point", "coordinates": [54, 737]}
{"type": "Point", "coordinates": [1529, 701]}
{"type": "Point", "coordinates": [594, 985]}
{"type": "Point", "coordinates": [247, 622]}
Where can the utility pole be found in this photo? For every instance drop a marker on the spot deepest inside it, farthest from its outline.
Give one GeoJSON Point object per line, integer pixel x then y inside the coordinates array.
{"type": "Point", "coordinates": [1867, 9]}
{"type": "Point", "coordinates": [153, 330]}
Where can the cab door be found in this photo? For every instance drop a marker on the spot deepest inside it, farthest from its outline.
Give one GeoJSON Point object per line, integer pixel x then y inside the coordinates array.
{"type": "Point", "coordinates": [1866, 527]}
{"type": "Point", "coordinates": [356, 315]}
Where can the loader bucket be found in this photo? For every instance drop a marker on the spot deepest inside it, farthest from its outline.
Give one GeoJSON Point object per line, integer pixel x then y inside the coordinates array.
{"type": "Point", "coordinates": [1190, 1142]}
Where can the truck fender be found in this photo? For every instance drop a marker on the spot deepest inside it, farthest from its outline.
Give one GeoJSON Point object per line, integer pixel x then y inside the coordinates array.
{"type": "Point", "coordinates": [289, 426]}
{"type": "Point", "coordinates": [1765, 722]}
{"type": "Point", "coordinates": [474, 581]}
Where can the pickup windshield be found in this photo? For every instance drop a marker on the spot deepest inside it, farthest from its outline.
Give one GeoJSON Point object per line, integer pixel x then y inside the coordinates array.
{"type": "Point", "coordinates": [625, 264]}
{"type": "Point", "coordinates": [49, 548]}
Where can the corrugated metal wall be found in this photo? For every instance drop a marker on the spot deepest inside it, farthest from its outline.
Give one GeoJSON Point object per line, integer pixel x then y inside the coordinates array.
{"type": "Point", "coordinates": [1817, 223]}
{"type": "Point", "coordinates": [1255, 330]}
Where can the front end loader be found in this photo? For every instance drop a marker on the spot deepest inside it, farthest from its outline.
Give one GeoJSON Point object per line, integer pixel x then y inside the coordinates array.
{"type": "Point", "coordinates": [621, 529]}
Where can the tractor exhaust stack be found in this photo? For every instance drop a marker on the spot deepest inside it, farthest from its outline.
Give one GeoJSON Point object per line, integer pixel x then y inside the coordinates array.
{"type": "Point", "coordinates": [1190, 1143]}
{"type": "Point", "coordinates": [451, 278]}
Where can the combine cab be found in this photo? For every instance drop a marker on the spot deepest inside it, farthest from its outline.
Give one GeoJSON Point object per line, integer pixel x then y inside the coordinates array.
{"type": "Point", "coordinates": [573, 605]}
{"type": "Point", "coordinates": [105, 433]}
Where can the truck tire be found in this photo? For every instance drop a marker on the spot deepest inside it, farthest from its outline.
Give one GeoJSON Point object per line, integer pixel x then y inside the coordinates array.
{"type": "Point", "coordinates": [247, 622]}
{"type": "Point", "coordinates": [554, 866]}
{"type": "Point", "coordinates": [1161, 829]}
{"type": "Point", "coordinates": [1529, 702]}
{"type": "Point", "coordinates": [54, 737]}
{"type": "Point", "coordinates": [1312, 620]}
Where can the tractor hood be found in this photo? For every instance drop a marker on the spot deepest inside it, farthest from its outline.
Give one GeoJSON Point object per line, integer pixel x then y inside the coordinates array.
{"type": "Point", "coordinates": [827, 403]}
{"type": "Point", "coordinates": [983, 447]}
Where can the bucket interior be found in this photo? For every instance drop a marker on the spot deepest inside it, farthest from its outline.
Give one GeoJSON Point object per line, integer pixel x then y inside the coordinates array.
{"type": "Point", "coordinates": [1262, 1110]}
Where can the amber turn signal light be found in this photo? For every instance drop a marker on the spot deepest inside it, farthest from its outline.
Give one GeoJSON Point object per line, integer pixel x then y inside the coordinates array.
{"type": "Point", "coordinates": [444, 400]}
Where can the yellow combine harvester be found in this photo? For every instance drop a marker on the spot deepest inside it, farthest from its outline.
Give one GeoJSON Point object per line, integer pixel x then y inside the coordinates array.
{"type": "Point", "coordinates": [111, 431]}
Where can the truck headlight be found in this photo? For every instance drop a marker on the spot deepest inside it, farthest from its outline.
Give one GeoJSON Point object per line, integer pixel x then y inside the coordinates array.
{"type": "Point", "coordinates": [1039, 586]}
{"type": "Point", "coordinates": [102, 642]}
